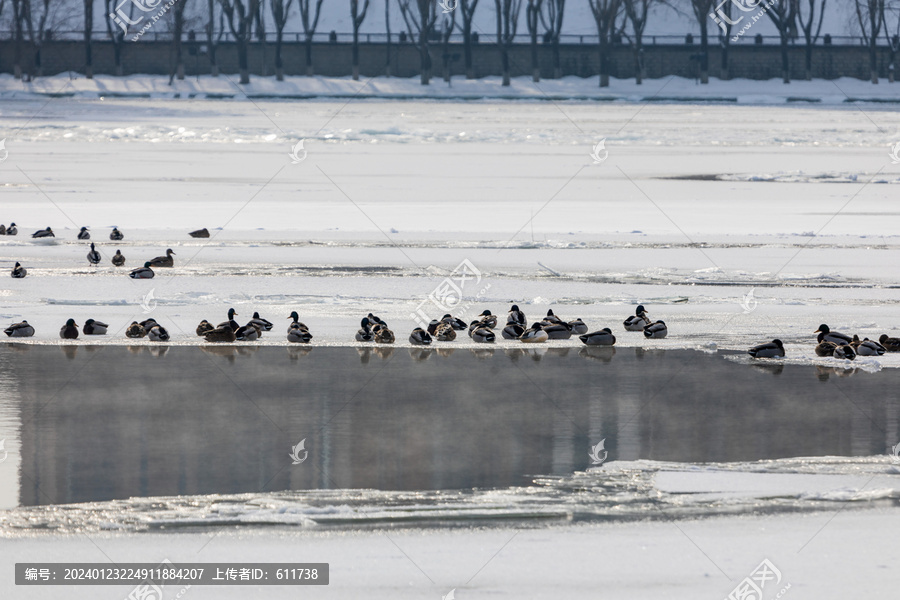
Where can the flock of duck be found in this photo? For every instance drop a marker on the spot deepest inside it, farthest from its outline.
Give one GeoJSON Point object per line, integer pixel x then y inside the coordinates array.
{"type": "Point", "coordinates": [834, 343]}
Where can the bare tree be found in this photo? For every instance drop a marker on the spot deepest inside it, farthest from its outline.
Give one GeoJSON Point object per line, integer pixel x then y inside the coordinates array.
{"type": "Point", "coordinates": [259, 19]}
{"type": "Point", "coordinates": [870, 15]}
{"type": "Point", "coordinates": [212, 37]}
{"type": "Point", "coordinates": [88, 46]}
{"type": "Point", "coordinates": [532, 17]}
{"type": "Point", "coordinates": [280, 13]}
{"type": "Point", "coordinates": [177, 32]}
{"type": "Point", "coordinates": [807, 24]}
{"type": "Point", "coordinates": [507, 24]}
{"type": "Point", "coordinates": [387, 26]}
{"type": "Point", "coordinates": [240, 22]}
{"type": "Point", "coordinates": [702, 9]}
{"type": "Point", "coordinates": [605, 14]}
{"type": "Point", "coordinates": [420, 17]}
{"type": "Point", "coordinates": [357, 18]}
{"type": "Point", "coordinates": [21, 16]}
{"type": "Point", "coordinates": [725, 23]}
{"type": "Point", "coordinates": [468, 13]}
{"type": "Point", "coordinates": [553, 28]}
{"type": "Point", "coordinates": [637, 12]}
{"type": "Point", "coordinates": [38, 34]}
{"type": "Point", "coordinates": [783, 15]}
{"type": "Point", "coordinates": [310, 20]}
{"type": "Point", "coordinates": [448, 24]}
{"type": "Point", "coordinates": [116, 28]}
{"type": "Point", "coordinates": [892, 33]}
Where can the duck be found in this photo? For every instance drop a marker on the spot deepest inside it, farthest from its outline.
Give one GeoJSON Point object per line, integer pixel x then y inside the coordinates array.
{"type": "Point", "coordinates": [891, 344]}
{"type": "Point", "coordinates": [512, 331]}
{"type": "Point", "coordinates": [482, 335]}
{"type": "Point", "coordinates": [296, 321]}
{"type": "Point", "coordinates": [164, 261]}
{"type": "Point", "coordinates": [223, 333]}
{"type": "Point", "coordinates": [867, 347]}
{"type": "Point", "coordinates": [158, 333]}
{"type": "Point", "coordinates": [455, 323]}
{"type": "Point", "coordinates": [262, 323]}
{"type": "Point", "coordinates": [149, 324]}
{"type": "Point", "coordinates": [230, 322]}
{"type": "Point", "coordinates": [420, 337]}
{"type": "Point", "coordinates": [84, 234]}
{"type": "Point", "coordinates": [432, 326]}
{"type": "Point", "coordinates": [638, 320]}
{"type": "Point", "coordinates": [444, 332]}
{"type": "Point", "coordinates": [118, 259]}
{"type": "Point", "coordinates": [552, 319]}
{"type": "Point", "coordinates": [534, 335]}
{"type": "Point", "coordinates": [11, 230]}
{"type": "Point", "coordinates": [248, 333]}
{"type": "Point", "coordinates": [2, 229]}
{"type": "Point", "coordinates": [516, 316]}
{"type": "Point", "coordinates": [774, 349]}
{"type": "Point", "coordinates": [203, 327]}
{"type": "Point", "coordinates": [373, 320]}
{"type": "Point", "coordinates": [845, 351]}
{"type": "Point", "coordinates": [19, 272]}
{"type": "Point", "coordinates": [488, 320]}
{"type": "Point", "coordinates": [298, 334]}
{"type": "Point", "coordinates": [144, 272]}
{"type": "Point", "coordinates": [557, 331]}
{"type": "Point", "coordinates": [825, 348]}
{"type": "Point", "coordinates": [200, 233]}
{"type": "Point", "coordinates": [656, 331]}
{"type": "Point", "coordinates": [93, 256]}
{"type": "Point", "coordinates": [826, 335]}
{"type": "Point", "coordinates": [604, 337]}
{"type": "Point", "coordinates": [22, 329]}
{"type": "Point", "coordinates": [135, 330]}
{"type": "Point", "coordinates": [116, 235]}
{"type": "Point", "coordinates": [383, 335]}
{"type": "Point", "coordinates": [43, 233]}
{"type": "Point", "coordinates": [365, 331]}
{"type": "Point", "coordinates": [69, 331]}
{"type": "Point", "coordinates": [92, 327]}
{"type": "Point", "coordinates": [578, 327]}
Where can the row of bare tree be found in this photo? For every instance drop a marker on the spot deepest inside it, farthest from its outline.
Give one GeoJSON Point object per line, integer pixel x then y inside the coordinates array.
{"type": "Point", "coordinates": [428, 21]}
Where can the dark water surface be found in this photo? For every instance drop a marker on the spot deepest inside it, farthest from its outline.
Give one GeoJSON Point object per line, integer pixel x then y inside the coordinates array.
{"type": "Point", "coordinates": [98, 423]}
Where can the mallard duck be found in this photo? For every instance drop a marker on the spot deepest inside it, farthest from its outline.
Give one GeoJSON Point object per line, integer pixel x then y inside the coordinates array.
{"type": "Point", "coordinates": [455, 323]}
{"type": "Point", "coordinates": [656, 331]}
{"type": "Point", "coordinates": [826, 335]}
{"type": "Point", "coordinates": [890, 344]}
{"type": "Point", "coordinates": [298, 334]}
{"type": "Point", "coordinates": [22, 329]}
{"type": "Point", "coordinates": [203, 327]}
{"type": "Point", "coordinates": [515, 316]}
{"type": "Point", "coordinates": [11, 230]}
{"type": "Point", "coordinates": [557, 331]}
{"type": "Point", "coordinates": [432, 326]}
{"type": "Point", "coordinates": [638, 320]}
{"type": "Point", "coordinates": [230, 322]}
{"type": "Point", "coordinates": [116, 235]}
{"type": "Point", "coordinates": [92, 327]}
{"type": "Point", "coordinates": [144, 272]}
{"type": "Point", "coordinates": [383, 335]}
{"type": "Point", "coordinates": [200, 233]}
{"type": "Point", "coordinates": [488, 320]}
{"type": "Point", "coordinates": [296, 321]}
{"type": "Point", "coordinates": [512, 331]}
{"type": "Point", "coordinates": [578, 327]}
{"type": "Point", "coordinates": [444, 332]}
{"type": "Point", "coordinates": [774, 349]}
{"type": "Point", "coordinates": [373, 320]}
{"type": "Point", "coordinates": [2, 229]}
{"type": "Point", "coordinates": [365, 331]}
{"type": "Point", "coordinates": [248, 333]}
{"type": "Point", "coordinates": [158, 333]}
{"type": "Point", "coordinates": [420, 337]}
{"type": "Point", "coordinates": [135, 330]}
{"type": "Point", "coordinates": [164, 261]}
{"type": "Point", "coordinates": [19, 272]}
{"type": "Point", "coordinates": [483, 335]}
{"type": "Point", "coordinates": [263, 324]}
{"type": "Point", "coordinates": [825, 348]}
{"type": "Point", "coordinates": [844, 351]}
{"type": "Point", "coordinates": [118, 259]}
{"type": "Point", "coordinates": [534, 335]}
{"type": "Point", "coordinates": [149, 324]}
{"type": "Point", "coordinates": [223, 333]}
{"type": "Point", "coordinates": [69, 331]}
{"type": "Point", "coordinates": [93, 256]}
{"type": "Point", "coordinates": [604, 337]}
{"type": "Point", "coordinates": [84, 234]}
{"type": "Point", "coordinates": [867, 347]}
{"type": "Point", "coordinates": [552, 319]}
{"type": "Point", "coordinates": [43, 233]}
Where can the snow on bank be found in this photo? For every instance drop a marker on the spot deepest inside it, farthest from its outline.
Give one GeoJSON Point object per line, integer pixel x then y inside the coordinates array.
{"type": "Point", "coordinates": [670, 89]}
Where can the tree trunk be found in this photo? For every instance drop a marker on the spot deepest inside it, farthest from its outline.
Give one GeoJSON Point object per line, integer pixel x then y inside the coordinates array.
{"type": "Point", "coordinates": [309, 68]}
{"type": "Point", "coordinates": [808, 59]}
{"type": "Point", "coordinates": [88, 24]}
{"type": "Point", "coordinates": [604, 65]}
{"type": "Point", "coordinates": [38, 67]}
{"type": "Point", "coordinates": [873, 57]}
{"type": "Point", "coordinates": [725, 74]}
{"type": "Point", "coordinates": [504, 51]}
{"type": "Point", "coordinates": [704, 52]}
{"type": "Point", "coordinates": [467, 49]}
{"type": "Point", "coordinates": [638, 62]}
{"type": "Point", "coordinates": [117, 55]}
{"type": "Point", "coordinates": [557, 65]}
{"type": "Point", "coordinates": [535, 66]}
{"type": "Point", "coordinates": [243, 62]}
{"type": "Point", "coordinates": [785, 61]}
{"type": "Point", "coordinates": [425, 58]}
{"type": "Point", "coordinates": [279, 65]}
{"type": "Point", "coordinates": [355, 52]}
